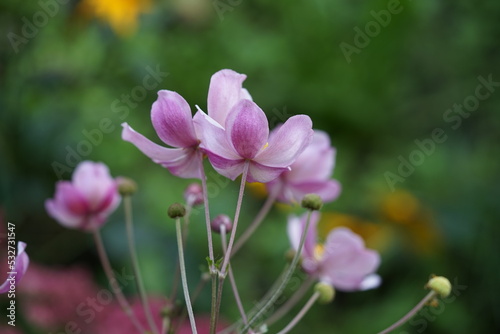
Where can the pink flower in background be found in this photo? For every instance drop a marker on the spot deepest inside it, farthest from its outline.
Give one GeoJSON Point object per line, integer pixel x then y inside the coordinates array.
{"type": "Point", "coordinates": [87, 201]}
{"type": "Point", "coordinates": [112, 320]}
{"type": "Point", "coordinates": [50, 298]}
{"type": "Point", "coordinates": [245, 137]}
{"type": "Point", "coordinates": [17, 267]}
{"type": "Point", "coordinates": [310, 174]}
{"type": "Point", "coordinates": [342, 261]}
{"type": "Point", "coordinates": [224, 92]}
{"type": "Point", "coordinates": [172, 121]}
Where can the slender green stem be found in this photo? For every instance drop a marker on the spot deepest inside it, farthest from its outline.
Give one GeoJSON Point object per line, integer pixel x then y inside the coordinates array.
{"type": "Point", "coordinates": [177, 277]}
{"type": "Point", "coordinates": [183, 275]}
{"type": "Point", "coordinates": [227, 256]}
{"type": "Point", "coordinates": [196, 293]}
{"type": "Point", "coordinates": [103, 256]}
{"type": "Point", "coordinates": [213, 314]}
{"type": "Point", "coordinates": [127, 201]}
{"type": "Point", "coordinates": [232, 280]}
{"type": "Point", "coordinates": [165, 325]}
{"type": "Point", "coordinates": [207, 217]}
{"type": "Point", "coordinates": [301, 313]}
{"type": "Point", "coordinates": [410, 314]}
{"type": "Point", "coordinates": [256, 222]}
{"type": "Point", "coordinates": [292, 301]}
{"type": "Point", "coordinates": [212, 269]}
{"type": "Point", "coordinates": [259, 305]}
{"type": "Point", "coordinates": [287, 277]}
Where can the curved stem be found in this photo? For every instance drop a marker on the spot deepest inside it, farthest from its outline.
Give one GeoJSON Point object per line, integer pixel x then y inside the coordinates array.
{"type": "Point", "coordinates": [301, 313]}
{"type": "Point", "coordinates": [135, 263]}
{"type": "Point", "coordinates": [101, 251]}
{"type": "Point", "coordinates": [232, 280]}
{"type": "Point", "coordinates": [256, 222]}
{"type": "Point", "coordinates": [410, 314]}
{"type": "Point", "coordinates": [287, 277]}
{"type": "Point", "coordinates": [291, 302]}
{"type": "Point", "coordinates": [183, 275]}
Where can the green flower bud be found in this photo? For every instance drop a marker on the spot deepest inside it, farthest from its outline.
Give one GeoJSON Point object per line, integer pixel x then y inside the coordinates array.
{"type": "Point", "coordinates": [176, 210]}
{"type": "Point", "coordinates": [126, 186]}
{"type": "Point", "coordinates": [326, 292]}
{"type": "Point", "coordinates": [312, 202]}
{"type": "Point", "coordinates": [441, 285]}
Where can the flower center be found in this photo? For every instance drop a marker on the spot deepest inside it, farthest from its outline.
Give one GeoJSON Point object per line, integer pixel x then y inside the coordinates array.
{"type": "Point", "coordinates": [319, 250]}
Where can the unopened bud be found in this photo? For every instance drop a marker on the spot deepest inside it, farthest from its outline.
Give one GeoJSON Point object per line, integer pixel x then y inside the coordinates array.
{"type": "Point", "coordinates": [194, 194]}
{"type": "Point", "coordinates": [219, 221]}
{"type": "Point", "coordinates": [326, 292]}
{"type": "Point", "coordinates": [441, 285]}
{"type": "Point", "coordinates": [126, 186]}
{"type": "Point", "coordinates": [176, 210]}
{"type": "Point", "coordinates": [312, 202]}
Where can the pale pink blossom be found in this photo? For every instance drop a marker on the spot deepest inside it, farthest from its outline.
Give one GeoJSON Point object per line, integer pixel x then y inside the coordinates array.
{"type": "Point", "coordinates": [86, 202]}
{"type": "Point", "coordinates": [244, 138]}
{"type": "Point", "coordinates": [16, 268]}
{"type": "Point", "coordinates": [172, 119]}
{"type": "Point", "coordinates": [310, 174]}
{"type": "Point", "coordinates": [342, 261]}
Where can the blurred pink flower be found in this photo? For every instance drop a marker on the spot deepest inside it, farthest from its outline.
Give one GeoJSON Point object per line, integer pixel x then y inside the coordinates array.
{"type": "Point", "coordinates": [112, 320]}
{"type": "Point", "coordinates": [17, 267]}
{"type": "Point", "coordinates": [172, 120]}
{"type": "Point", "coordinates": [342, 261]}
{"type": "Point", "coordinates": [86, 202]}
{"type": "Point", "coordinates": [50, 298]}
{"type": "Point", "coordinates": [310, 174]}
{"type": "Point", "coordinates": [245, 138]}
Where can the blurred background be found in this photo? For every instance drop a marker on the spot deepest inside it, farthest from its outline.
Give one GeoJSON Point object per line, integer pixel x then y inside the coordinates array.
{"type": "Point", "coordinates": [409, 92]}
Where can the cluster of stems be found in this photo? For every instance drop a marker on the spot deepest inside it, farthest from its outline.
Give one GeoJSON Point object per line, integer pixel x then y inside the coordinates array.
{"type": "Point", "coordinates": [220, 270]}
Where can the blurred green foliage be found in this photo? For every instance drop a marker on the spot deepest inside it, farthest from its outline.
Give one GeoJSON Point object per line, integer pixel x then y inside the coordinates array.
{"type": "Point", "coordinates": [73, 73]}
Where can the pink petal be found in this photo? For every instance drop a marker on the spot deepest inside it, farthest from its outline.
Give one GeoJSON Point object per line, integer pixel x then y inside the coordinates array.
{"type": "Point", "coordinates": [62, 215]}
{"type": "Point", "coordinates": [213, 137]}
{"type": "Point", "coordinates": [20, 268]}
{"type": "Point", "coordinates": [224, 92]}
{"type": "Point", "coordinates": [288, 142]}
{"type": "Point", "coordinates": [370, 282]}
{"type": "Point", "coordinates": [227, 167]}
{"type": "Point", "coordinates": [189, 166]}
{"type": "Point", "coordinates": [263, 174]}
{"type": "Point", "coordinates": [93, 181]}
{"type": "Point", "coordinates": [247, 128]}
{"type": "Point", "coordinates": [157, 153]}
{"type": "Point", "coordinates": [172, 120]}
{"type": "Point", "coordinates": [328, 190]}
{"type": "Point", "coordinates": [346, 262]}
{"type": "Point", "coordinates": [295, 228]}
{"type": "Point", "coordinates": [316, 162]}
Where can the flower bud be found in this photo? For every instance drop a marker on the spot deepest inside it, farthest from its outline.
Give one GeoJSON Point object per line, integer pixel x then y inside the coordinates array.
{"type": "Point", "coordinates": [126, 186]}
{"type": "Point", "coordinates": [219, 221]}
{"type": "Point", "coordinates": [326, 292]}
{"type": "Point", "coordinates": [441, 285]}
{"type": "Point", "coordinates": [176, 210]}
{"type": "Point", "coordinates": [312, 202]}
{"type": "Point", "coordinates": [194, 194]}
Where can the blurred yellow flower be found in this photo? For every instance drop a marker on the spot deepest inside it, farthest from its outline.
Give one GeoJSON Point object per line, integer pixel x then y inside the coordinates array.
{"type": "Point", "coordinates": [415, 221]}
{"type": "Point", "coordinates": [376, 236]}
{"type": "Point", "coordinates": [121, 15]}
